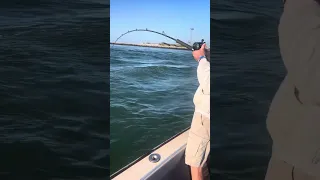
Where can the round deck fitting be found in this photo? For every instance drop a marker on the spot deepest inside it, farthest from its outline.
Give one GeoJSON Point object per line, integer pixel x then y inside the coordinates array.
{"type": "Point", "coordinates": [154, 158]}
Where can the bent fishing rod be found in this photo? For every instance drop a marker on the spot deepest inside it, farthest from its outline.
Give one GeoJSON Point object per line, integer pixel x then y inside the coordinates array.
{"type": "Point", "coordinates": [196, 45]}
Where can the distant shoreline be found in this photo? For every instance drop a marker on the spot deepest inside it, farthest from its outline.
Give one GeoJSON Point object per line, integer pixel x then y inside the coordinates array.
{"type": "Point", "coordinates": [152, 46]}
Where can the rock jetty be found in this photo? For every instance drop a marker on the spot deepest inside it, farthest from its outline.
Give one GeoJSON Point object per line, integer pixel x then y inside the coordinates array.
{"type": "Point", "coordinates": [154, 45]}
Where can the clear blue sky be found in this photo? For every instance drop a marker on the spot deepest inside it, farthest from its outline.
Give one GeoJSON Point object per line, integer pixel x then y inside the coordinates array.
{"type": "Point", "coordinates": [174, 17]}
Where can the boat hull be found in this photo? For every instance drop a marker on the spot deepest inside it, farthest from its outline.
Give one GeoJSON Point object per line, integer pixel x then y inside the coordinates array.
{"type": "Point", "coordinates": [164, 162]}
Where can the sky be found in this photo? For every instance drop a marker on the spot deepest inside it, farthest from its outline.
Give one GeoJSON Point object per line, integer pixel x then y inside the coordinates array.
{"type": "Point", "coordinates": [174, 17]}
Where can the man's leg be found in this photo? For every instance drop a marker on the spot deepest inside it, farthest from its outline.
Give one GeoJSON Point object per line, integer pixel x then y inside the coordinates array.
{"type": "Point", "coordinates": [198, 146]}
{"type": "Point", "coordinates": [205, 168]}
{"type": "Point", "coordinates": [196, 173]}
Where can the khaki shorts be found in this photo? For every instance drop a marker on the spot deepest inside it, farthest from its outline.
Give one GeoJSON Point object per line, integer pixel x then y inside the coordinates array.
{"type": "Point", "coordinates": [198, 144]}
{"type": "Point", "coordinates": [280, 170]}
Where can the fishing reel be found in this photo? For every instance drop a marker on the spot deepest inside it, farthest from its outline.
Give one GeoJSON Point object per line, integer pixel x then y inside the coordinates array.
{"type": "Point", "coordinates": [197, 45]}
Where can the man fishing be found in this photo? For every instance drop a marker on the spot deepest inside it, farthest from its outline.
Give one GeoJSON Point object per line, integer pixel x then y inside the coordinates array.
{"type": "Point", "coordinates": [198, 145]}
{"type": "Point", "coordinates": [294, 115]}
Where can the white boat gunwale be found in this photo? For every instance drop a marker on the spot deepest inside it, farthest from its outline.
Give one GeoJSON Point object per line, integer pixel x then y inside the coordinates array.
{"type": "Point", "coordinates": [147, 154]}
{"type": "Point", "coordinates": [164, 162]}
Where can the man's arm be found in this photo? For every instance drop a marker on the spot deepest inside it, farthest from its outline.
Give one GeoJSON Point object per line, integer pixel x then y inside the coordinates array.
{"type": "Point", "coordinates": [203, 73]}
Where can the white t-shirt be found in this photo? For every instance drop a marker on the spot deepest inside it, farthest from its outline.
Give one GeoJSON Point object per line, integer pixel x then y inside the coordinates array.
{"type": "Point", "coordinates": [202, 96]}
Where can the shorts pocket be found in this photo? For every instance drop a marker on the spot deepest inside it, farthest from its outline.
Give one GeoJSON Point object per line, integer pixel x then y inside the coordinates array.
{"type": "Point", "coordinates": [197, 124]}
{"type": "Point", "coordinates": [196, 149]}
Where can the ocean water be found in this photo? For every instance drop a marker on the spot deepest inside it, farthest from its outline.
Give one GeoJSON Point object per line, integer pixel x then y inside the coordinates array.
{"type": "Point", "coordinates": [54, 89]}
{"type": "Point", "coordinates": [151, 99]}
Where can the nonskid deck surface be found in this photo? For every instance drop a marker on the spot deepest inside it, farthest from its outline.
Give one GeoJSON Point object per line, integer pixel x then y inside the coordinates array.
{"type": "Point", "coordinates": [171, 165]}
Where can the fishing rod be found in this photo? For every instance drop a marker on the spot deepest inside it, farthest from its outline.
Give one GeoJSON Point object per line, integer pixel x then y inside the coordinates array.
{"type": "Point", "coordinates": [196, 45]}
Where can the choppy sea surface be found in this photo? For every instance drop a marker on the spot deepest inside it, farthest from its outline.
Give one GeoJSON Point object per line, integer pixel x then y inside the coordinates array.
{"type": "Point", "coordinates": [151, 99]}
{"type": "Point", "coordinates": [54, 82]}
{"type": "Point", "coordinates": [54, 89]}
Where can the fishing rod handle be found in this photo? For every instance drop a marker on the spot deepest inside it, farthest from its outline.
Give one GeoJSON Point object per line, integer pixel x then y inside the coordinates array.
{"type": "Point", "coordinates": [184, 44]}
